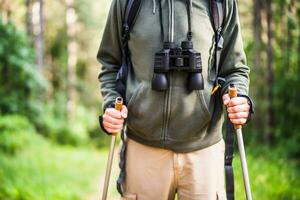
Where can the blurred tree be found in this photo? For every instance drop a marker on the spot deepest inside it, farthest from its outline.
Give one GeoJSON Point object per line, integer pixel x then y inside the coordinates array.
{"type": "Point", "coordinates": [29, 25]}
{"type": "Point", "coordinates": [270, 79]}
{"type": "Point", "coordinates": [71, 19]}
{"type": "Point", "coordinates": [38, 20]}
{"type": "Point", "coordinates": [5, 7]}
{"type": "Point", "coordinates": [20, 83]}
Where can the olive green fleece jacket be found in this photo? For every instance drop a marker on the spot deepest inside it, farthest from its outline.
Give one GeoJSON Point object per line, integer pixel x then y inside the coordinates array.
{"type": "Point", "coordinates": [176, 119]}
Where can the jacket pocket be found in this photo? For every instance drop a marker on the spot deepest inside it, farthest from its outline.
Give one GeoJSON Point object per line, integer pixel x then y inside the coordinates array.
{"type": "Point", "coordinates": [145, 112]}
{"type": "Point", "coordinates": [128, 196]}
{"type": "Point", "coordinates": [189, 115]}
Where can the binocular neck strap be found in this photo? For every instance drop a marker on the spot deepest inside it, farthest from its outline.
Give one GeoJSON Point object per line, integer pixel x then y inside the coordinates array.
{"type": "Point", "coordinates": [189, 6]}
{"type": "Point", "coordinates": [161, 22]}
{"type": "Point", "coordinates": [171, 20]}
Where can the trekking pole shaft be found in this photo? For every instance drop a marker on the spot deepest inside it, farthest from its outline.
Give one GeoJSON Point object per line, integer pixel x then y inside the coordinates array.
{"type": "Point", "coordinates": [238, 128]}
{"type": "Point", "coordinates": [108, 167]}
{"type": "Point", "coordinates": [118, 106]}
{"type": "Point", "coordinates": [244, 163]}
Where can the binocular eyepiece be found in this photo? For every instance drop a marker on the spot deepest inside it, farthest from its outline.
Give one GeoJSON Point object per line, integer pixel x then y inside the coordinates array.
{"type": "Point", "coordinates": [172, 58]}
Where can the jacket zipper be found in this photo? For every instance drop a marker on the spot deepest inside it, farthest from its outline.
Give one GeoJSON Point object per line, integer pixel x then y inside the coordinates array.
{"type": "Point", "coordinates": [167, 109]}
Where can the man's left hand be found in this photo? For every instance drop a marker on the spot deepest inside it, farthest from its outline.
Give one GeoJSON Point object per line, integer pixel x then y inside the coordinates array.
{"type": "Point", "coordinates": [238, 109]}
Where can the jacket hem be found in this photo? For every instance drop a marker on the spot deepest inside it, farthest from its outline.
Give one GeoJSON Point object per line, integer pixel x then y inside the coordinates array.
{"type": "Point", "coordinates": [179, 146]}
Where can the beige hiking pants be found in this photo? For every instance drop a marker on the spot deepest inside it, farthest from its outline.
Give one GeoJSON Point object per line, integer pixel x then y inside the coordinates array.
{"type": "Point", "coordinates": [158, 174]}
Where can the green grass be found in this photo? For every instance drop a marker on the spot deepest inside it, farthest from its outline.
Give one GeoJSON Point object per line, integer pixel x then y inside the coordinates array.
{"type": "Point", "coordinates": [272, 175]}
{"type": "Point", "coordinates": [46, 171]}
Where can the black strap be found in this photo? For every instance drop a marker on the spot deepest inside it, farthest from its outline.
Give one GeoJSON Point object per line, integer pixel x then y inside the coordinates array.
{"type": "Point", "coordinates": [132, 9]}
{"type": "Point", "coordinates": [218, 15]}
{"type": "Point", "coordinates": [122, 163]}
{"type": "Point", "coordinates": [161, 22]}
{"type": "Point", "coordinates": [189, 11]}
{"type": "Point", "coordinates": [229, 149]}
{"type": "Point", "coordinates": [217, 10]}
{"type": "Point", "coordinates": [131, 12]}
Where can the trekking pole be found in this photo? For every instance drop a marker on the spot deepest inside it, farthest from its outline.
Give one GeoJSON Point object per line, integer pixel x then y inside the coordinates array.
{"type": "Point", "coordinates": [118, 106]}
{"type": "Point", "coordinates": [238, 128]}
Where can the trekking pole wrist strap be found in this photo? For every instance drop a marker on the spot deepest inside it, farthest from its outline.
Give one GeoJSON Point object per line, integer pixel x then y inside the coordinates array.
{"type": "Point", "coordinates": [112, 105]}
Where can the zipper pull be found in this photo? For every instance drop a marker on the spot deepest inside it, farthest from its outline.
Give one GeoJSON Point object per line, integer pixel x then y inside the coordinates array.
{"type": "Point", "coordinates": [219, 84]}
{"type": "Point", "coordinates": [215, 89]}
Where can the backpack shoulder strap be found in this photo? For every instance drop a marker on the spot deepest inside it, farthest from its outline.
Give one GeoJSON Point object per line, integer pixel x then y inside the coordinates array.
{"type": "Point", "coordinates": [132, 9]}
{"type": "Point", "coordinates": [217, 10]}
{"type": "Point", "coordinates": [218, 14]}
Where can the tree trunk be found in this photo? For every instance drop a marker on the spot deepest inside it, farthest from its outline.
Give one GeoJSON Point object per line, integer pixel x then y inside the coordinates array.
{"type": "Point", "coordinates": [40, 39]}
{"type": "Point", "coordinates": [29, 25]}
{"type": "Point", "coordinates": [5, 10]}
{"type": "Point", "coordinates": [72, 59]}
{"type": "Point", "coordinates": [257, 32]}
{"type": "Point", "coordinates": [259, 65]}
{"type": "Point", "coordinates": [290, 38]}
{"type": "Point", "coordinates": [270, 59]}
{"type": "Point", "coordinates": [38, 29]}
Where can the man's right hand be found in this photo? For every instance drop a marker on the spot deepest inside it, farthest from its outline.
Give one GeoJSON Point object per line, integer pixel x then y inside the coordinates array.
{"type": "Point", "coordinates": [113, 119]}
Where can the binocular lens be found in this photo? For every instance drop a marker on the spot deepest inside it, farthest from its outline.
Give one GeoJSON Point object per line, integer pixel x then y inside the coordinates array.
{"type": "Point", "coordinates": [159, 82]}
{"type": "Point", "coordinates": [195, 81]}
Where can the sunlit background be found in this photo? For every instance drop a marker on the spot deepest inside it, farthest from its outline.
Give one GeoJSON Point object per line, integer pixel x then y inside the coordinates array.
{"type": "Point", "coordinates": [51, 146]}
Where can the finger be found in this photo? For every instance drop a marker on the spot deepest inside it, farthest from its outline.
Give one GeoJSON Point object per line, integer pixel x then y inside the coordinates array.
{"type": "Point", "coordinates": [237, 101]}
{"type": "Point", "coordinates": [238, 108]}
{"type": "Point", "coordinates": [124, 111]}
{"type": "Point", "coordinates": [238, 115]}
{"type": "Point", "coordinates": [113, 131]}
{"type": "Point", "coordinates": [113, 113]}
{"type": "Point", "coordinates": [241, 121]}
{"type": "Point", "coordinates": [226, 99]}
{"type": "Point", "coordinates": [112, 120]}
{"type": "Point", "coordinates": [112, 126]}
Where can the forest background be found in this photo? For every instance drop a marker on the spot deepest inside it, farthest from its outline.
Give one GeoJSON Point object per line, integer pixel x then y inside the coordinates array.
{"type": "Point", "coordinates": [51, 146]}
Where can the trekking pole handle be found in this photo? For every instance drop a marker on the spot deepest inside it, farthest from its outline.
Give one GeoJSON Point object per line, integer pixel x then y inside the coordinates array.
{"type": "Point", "coordinates": [232, 90]}
{"type": "Point", "coordinates": [119, 103]}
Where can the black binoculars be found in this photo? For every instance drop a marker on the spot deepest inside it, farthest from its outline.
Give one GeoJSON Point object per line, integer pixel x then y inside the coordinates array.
{"type": "Point", "coordinates": [172, 58]}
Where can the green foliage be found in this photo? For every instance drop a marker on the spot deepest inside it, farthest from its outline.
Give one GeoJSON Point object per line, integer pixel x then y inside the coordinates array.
{"type": "Point", "coordinates": [58, 129]}
{"type": "Point", "coordinates": [61, 131]}
{"type": "Point", "coordinates": [285, 97]}
{"type": "Point", "coordinates": [20, 83]}
{"type": "Point", "coordinates": [286, 105]}
{"type": "Point", "coordinates": [99, 138]}
{"type": "Point", "coordinates": [15, 133]}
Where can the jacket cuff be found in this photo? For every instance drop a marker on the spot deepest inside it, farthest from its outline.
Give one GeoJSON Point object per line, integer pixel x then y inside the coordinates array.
{"type": "Point", "coordinates": [250, 102]}
{"type": "Point", "coordinates": [112, 105]}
